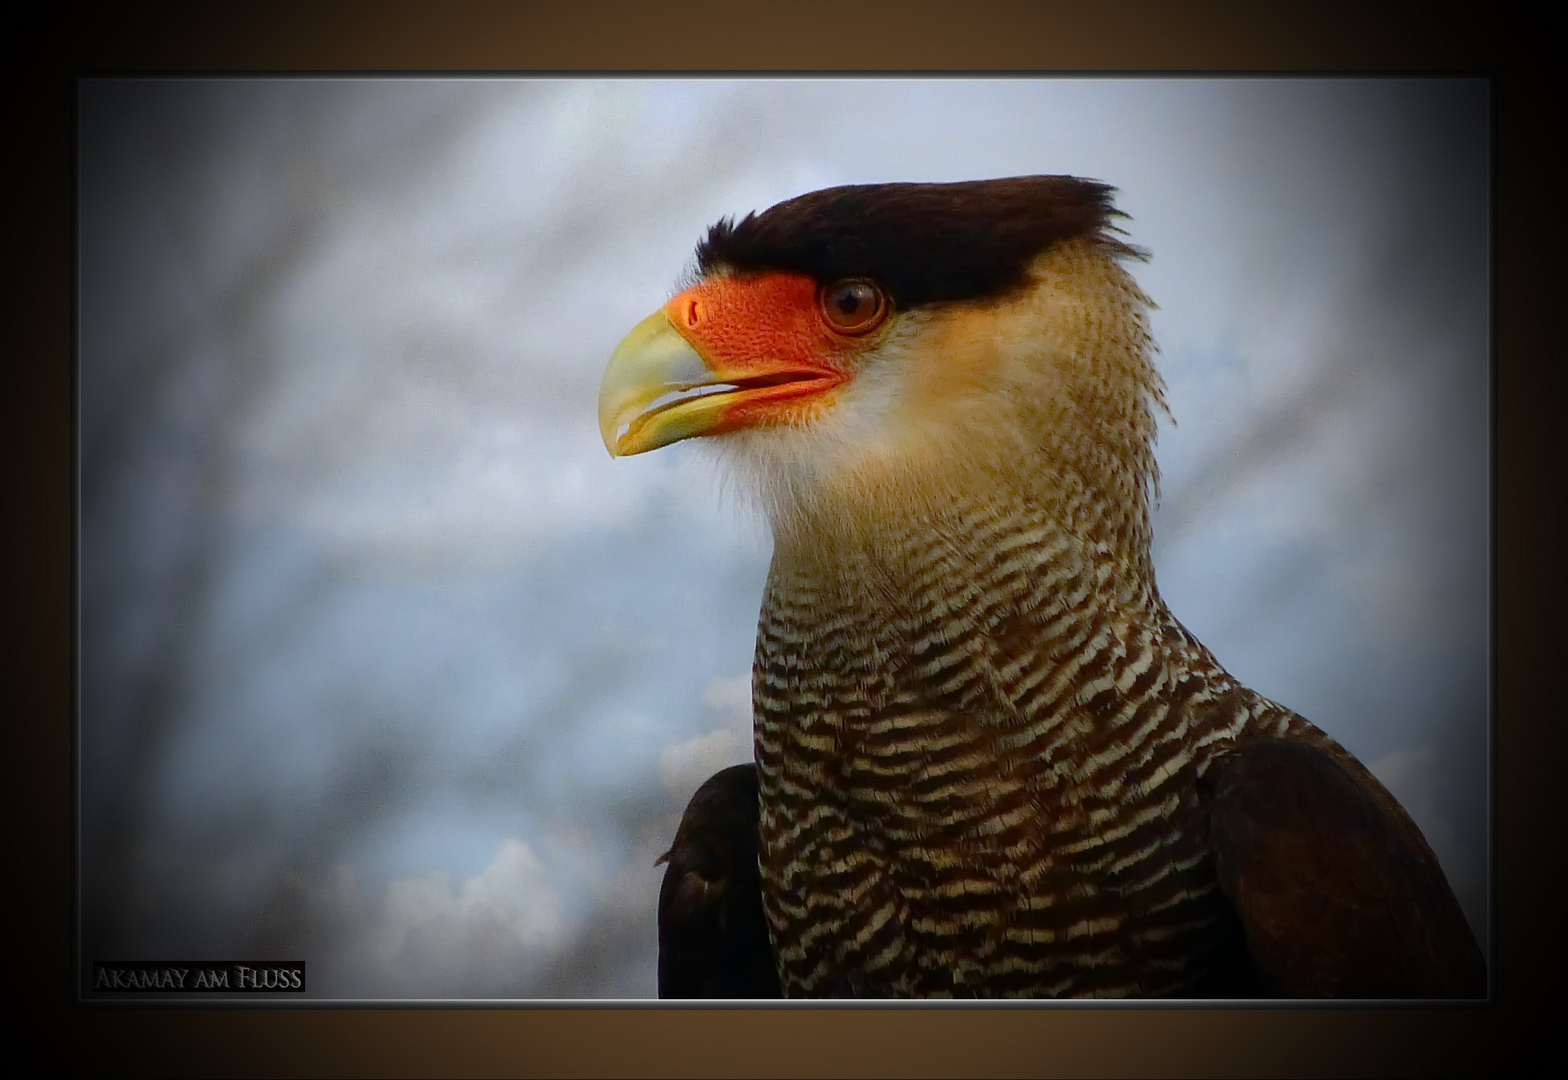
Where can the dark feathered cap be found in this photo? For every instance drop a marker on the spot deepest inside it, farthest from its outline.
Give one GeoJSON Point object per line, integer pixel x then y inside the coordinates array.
{"type": "Point", "coordinates": [924, 243]}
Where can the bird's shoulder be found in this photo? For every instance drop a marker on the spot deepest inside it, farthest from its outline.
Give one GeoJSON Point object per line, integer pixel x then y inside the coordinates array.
{"type": "Point", "coordinates": [713, 939]}
{"type": "Point", "coordinates": [1336, 890]}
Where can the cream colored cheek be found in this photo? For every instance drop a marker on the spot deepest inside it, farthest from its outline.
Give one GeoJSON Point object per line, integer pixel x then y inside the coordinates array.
{"type": "Point", "coordinates": [969, 357]}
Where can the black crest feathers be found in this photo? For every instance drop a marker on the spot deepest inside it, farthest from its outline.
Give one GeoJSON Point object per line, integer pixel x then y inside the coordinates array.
{"type": "Point", "coordinates": [924, 243]}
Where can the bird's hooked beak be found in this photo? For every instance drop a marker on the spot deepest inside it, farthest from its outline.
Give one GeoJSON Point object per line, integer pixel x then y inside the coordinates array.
{"type": "Point", "coordinates": [657, 390]}
{"type": "Point", "coordinates": [725, 354]}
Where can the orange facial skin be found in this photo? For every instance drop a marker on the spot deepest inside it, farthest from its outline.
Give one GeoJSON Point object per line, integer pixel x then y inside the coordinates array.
{"type": "Point", "coordinates": [765, 335]}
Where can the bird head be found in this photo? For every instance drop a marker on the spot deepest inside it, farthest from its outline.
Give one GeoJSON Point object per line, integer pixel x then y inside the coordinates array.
{"type": "Point", "coordinates": [872, 350]}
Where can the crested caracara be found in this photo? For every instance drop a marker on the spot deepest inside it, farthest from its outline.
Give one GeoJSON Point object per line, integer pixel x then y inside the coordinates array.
{"type": "Point", "coordinates": [989, 761]}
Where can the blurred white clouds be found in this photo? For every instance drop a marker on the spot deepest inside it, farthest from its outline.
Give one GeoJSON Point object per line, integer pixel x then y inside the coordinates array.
{"type": "Point", "coordinates": [731, 695]}
{"type": "Point", "coordinates": [509, 905]}
{"type": "Point", "coordinates": [684, 766]}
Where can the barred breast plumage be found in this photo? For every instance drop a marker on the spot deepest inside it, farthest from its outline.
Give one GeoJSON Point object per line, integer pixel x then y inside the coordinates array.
{"type": "Point", "coordinates": [975, 780]}
{"type": "Point", "coordinates": [989, 760]}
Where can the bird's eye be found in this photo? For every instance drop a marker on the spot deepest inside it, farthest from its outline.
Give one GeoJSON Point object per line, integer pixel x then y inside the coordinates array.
{"type": "Point", "coordinates": [853, 306]}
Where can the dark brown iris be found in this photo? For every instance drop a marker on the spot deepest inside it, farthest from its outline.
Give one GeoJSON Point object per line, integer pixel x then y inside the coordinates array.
{"type": "Point", "coordinates": [853, 306]}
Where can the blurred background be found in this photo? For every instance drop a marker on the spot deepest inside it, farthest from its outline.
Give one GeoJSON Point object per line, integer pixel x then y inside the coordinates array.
{"type": "Point", "coordinates": [386, 665]}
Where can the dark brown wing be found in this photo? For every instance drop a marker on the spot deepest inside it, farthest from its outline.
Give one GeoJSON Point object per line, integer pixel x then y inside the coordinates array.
{"type": "Point", "coordinates": [713, 939]}
{"type": "Point", "coordinates": [1338, 895]}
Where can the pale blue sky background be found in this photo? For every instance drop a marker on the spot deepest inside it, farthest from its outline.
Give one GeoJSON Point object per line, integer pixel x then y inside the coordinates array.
{"type": "Point", "coordinates": [387, 665]}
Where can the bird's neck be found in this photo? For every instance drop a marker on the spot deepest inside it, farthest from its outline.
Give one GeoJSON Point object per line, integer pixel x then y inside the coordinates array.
{"type": "Point", "coordinates": [978, 537]}
{"type": "Point", "coordinates": [989, 675]}
{"type": "Point", "coordinates": [1016, 606]}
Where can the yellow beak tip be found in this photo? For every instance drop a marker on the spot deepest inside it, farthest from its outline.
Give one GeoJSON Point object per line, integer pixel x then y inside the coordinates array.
{"type": "Point", "coordinates": [639, 405]}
